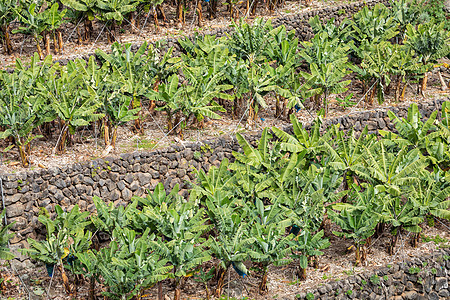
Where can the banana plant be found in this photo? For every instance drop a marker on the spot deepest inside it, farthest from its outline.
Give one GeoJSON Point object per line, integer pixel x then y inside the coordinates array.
{"type": "Point", "coordinates": [357, 219]}
{"type": "Point", "coordinates": [401, 215]}
{"type": "Point", "coordinates": [107, 90]}
{"type": "Point", "coordinates": [301, 139]}
{"type": "Point", "coordinates": [231, 244]}
{"type": "Point", "coordinates": [282, 48]}
{"type": "Point", "coordinates": [74, 106]}
{"type": "Point", "coordinates": [372, 26]}
{"type": "Point", "coordinates": [181, 226]}
{"type": "Point", "coordinates": [215, 181]}
{"type": "Point", "coordinates": [270, 247]}
{"type": "Point", "coordinates": [346, 152]}
{"type": "Point", "coordinates": [109, 217]}
{"type": "Point", "coordinates": [430, 42]}
{"type": "Point", "coordinates": [170, 94]}
{"type": "Point", "coordinates": [19, 113]}
{"type": "Point", "coordinates": [307, 246]}
{"type": "Point", "coordinates": [33, 23]}
{"type": "Point", "coordinates": [82, 11]}
{"type": "Point", "coordinates": [335, 31]}
{"type": "Point", "coordinates": [261, 81]}
{"type": "Point", "coordinates": [406, 67]}
{"type": "Point", "coordinates": [54, 19]}
{"type": "Point", "coordinates": [430, 198]}
{"type": "Point", "coordinates": [248, 41]}
{"type": "Point", "coordinates": [391, 172]}
{"type": "Point", "coordinates": [132, 71]}
{"type": "Point", "coordinates": [128, 265]}
{"type": "Point", "coordinates": [379, 61]}
{"type": "Point", "coordinates": [184, 256]}
{"type": "Point", "coordinates": [270, 243]}
{"type": "Point", "coordinates": [198, 96]}
{"type": "Point", "coordinates": [7, 15]}
{"type": "Point", "coordinates": [412, 131]}
{"type": "Point", "coordinates": [328, 65]}
{"type": "Point", "coordinates": [65, 235]}
{"type": "Point", "coordinates": [113, 12]}
{"type": "Point", "coordinates": [405, 12]}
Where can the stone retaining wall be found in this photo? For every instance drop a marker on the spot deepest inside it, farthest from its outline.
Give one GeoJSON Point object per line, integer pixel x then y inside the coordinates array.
{"type": "Point", "coordinates": [423, 277]}
{"type": "Point", "coordinates": [117, 179]}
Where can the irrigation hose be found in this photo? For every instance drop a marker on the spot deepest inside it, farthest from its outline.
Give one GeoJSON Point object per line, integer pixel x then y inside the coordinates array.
{"type": "Point", "coordinates": [9, 244]}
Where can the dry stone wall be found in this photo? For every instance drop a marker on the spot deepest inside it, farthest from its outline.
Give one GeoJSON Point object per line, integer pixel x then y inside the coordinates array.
{"type": "Point", "coordinates": [119, 178]}
{"type": "Point", "coordinates": [425, 277]}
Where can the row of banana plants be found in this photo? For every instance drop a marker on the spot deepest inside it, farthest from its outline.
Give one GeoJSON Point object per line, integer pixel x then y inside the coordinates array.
{"type": "Point", "coordinates": [243, 71]}
{"type": "Point", "coordinates": [271, 206]}
{"type": "Point", "coordinates": [42, 19]}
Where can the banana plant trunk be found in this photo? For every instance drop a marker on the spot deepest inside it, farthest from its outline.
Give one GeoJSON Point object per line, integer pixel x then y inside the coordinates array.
{"type": "Point", "coordinates": [23, 156]}
{"type": "Point", "coordinates": [137, 123]}
{"type": "Point", "coordinates": [160, 291]}
{"type": "Point", "coordinates": [8, 45]}
{"type": "Point", "coordinates": [114, 138]}
{"type": "Point", "coordinates": [263, 285]}
{"type": "Point", "coordinates": [91, 293]}
{"type": "Point", "coordinates": [155, 17]}
{"type": "Point", "coordinates": [62, 142]}
{"type": "Point", "coordinates": [88, 29]}
{"type": "Point", "coordinates": [65, 279]}
{"type": "Point", "coordinates": [277, 107]}
{"type": "Point", "coordinates": [180, 11]}
{"type": "Point", "coordinates": [255, 4]}
{"type": "Point", "coordinates": [357, 254]}
{"type": "Point", "coordinates": [393, 242]}
{"type": "Point", "coordinates": [60, 41]}
{"type": "Point", "coordinates": [169, 121]}
{"type": "Point", "coordinates": [38, 47]}
{"type": "Point", "coordinates": [424, 84]}
{"type": "Point", "coordinates": [398, 88]}
{"type": "Point", "coordinates": [47, 42]}
{"type": "Point", "coordinates": [177, 293]}
{"type": "Point", "coordinates": [161, 12]}
{"type": "Point", "coordinates": [55, 42]}
{"type": "Point", "coordinates": [221, 281]}
{"type": "Point", "coordinates": [402, 96]}
{"type": "Point", "coordinates": [133, 22]}
{"type": "Point", "coordinates": [416, 240]}
{"type": "Point", "coordinates": [200, 15]}
{"type": "Point", "coordinates": [231, 10]}
{"type": "Point", "coordinates": [79, 37]}
{"type": "Point", "coordinates": [301, 273]}
{"type": "Point", "coordinates": [379, 229]}
{"type": "Point", "coordinates": [207, 291]}
{"type": "Point", "coordinates": [106, 133]}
